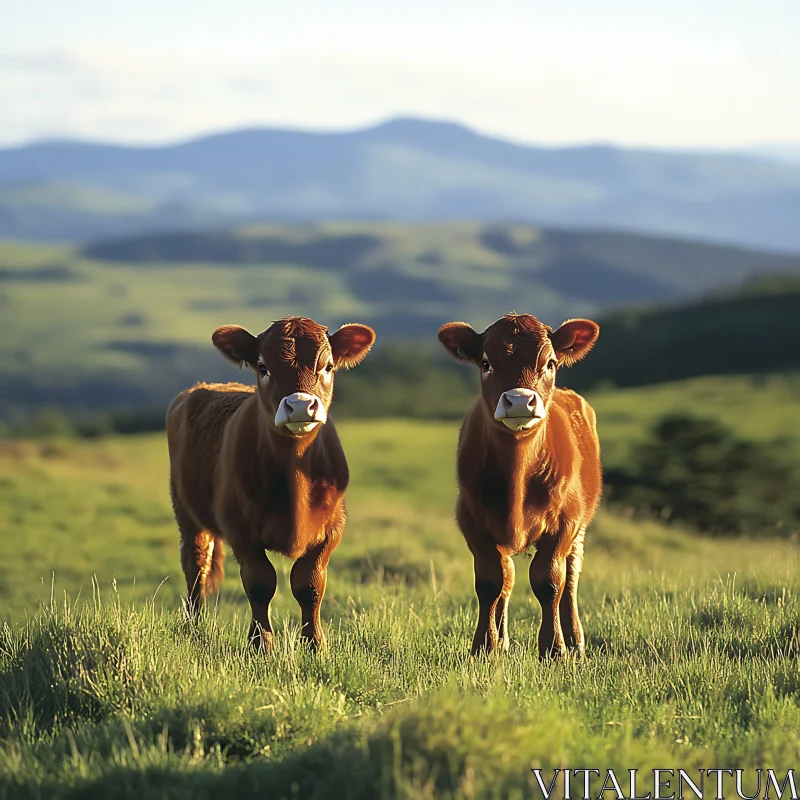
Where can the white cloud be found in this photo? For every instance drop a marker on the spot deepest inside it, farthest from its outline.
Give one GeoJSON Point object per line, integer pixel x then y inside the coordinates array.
{"type": "Point", "coordinates": [35, 62]}
{"type": "Point", "coordinates": [692, 76]}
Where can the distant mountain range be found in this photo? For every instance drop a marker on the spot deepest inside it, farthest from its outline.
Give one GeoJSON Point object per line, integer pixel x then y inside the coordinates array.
{"type": "Point", "coordinates": [779, 152]}
{"type": "Point", "coordinates": [405, 169]}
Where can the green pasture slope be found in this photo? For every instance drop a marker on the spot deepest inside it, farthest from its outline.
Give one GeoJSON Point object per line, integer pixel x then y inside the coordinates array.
{"type": "Point", "coordinates": [106, 691]}
{"type": "Point", "coordinates": [131, 305]}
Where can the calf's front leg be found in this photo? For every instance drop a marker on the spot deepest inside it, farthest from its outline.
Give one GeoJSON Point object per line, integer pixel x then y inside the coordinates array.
{"type": "Point", "coordinates": [309, 578]}
{"type": "Point", "coordinates": [260, 582]}
{"type": "Point", "coordinates": [494, 580]}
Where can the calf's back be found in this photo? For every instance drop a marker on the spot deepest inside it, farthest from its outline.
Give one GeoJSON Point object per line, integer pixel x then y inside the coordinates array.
{"type": "Point", "coordinates": [197, 421]}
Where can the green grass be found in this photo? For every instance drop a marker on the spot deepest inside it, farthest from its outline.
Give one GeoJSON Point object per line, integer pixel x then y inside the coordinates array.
{"type": "Point", "coordinates": [762, 408]}
{"type": "Point", "coordinates": [105, 690]}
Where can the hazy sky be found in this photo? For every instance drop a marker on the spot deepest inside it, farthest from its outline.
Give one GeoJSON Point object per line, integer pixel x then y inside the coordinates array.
{"type": "Point", "coordinates": [674, 73]}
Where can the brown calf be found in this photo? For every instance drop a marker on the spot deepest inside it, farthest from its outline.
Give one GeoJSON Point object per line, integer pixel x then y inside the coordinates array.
{"type": "Point", "coordinates": [263, 467]}
{"type": "Point", "coordinates": [528, 472]}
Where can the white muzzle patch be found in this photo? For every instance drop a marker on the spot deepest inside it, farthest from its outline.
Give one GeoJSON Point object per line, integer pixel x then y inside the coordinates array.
{"type": "Point", "coordinates": [301, 413]}
{"type": "Point", "coordinates": [520, 409]}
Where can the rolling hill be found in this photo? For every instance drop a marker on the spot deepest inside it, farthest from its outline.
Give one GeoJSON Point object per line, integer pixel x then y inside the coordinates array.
{"type": "Point", "coordinates": [405, 169]}
{"type": "Point", "coordinates": [742, 332]}
{"type": "Point", "coordinates": [126, 322]}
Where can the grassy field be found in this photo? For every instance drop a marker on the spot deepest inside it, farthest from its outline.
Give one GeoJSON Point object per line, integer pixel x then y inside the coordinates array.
{"type": "Point", "coordinates": [763, 408]}
{"type": "Point", "coordinates": [106, 691]}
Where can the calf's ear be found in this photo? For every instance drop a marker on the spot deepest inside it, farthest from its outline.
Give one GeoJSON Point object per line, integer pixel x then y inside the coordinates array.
{"type": "Point", "coordinates": [236, 344]}
{"type": "Point", "coordinates": [461, 341]}
{"type": "Point", "coordinates": [573, 340]}
{"type": "Point", "coordinates": [351, 344]}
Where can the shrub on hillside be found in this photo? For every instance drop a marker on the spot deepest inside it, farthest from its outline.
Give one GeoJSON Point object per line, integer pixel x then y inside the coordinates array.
{"type": "Point", "coordinates": [696, 471]}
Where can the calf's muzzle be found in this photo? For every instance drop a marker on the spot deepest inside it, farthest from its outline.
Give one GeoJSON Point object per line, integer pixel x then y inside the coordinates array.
{"type": "Point", "coordinates": [301, 412]}
{"type": "Point", "coordinates": [520, 409]}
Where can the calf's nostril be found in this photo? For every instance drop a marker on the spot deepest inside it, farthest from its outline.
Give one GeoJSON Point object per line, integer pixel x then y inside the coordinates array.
{"type": "Point", "coordinates": [507, 404]}
{"type": "Point", "coordinates": [312, 406]}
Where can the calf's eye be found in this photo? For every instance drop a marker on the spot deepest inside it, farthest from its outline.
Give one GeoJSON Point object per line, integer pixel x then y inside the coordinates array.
{"type": "Point", "coordinates": [487, 367]}
{"type": "Point", "coordinates": [329, 368]}
{"type": "Point", "coordinates": [262, 368]}
{"type": "Point", "coordinates": [551, 364]}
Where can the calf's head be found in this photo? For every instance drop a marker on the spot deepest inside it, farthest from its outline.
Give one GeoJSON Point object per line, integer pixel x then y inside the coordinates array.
{"type": "Point", "coordinates": [518, 357]}
{"type": "Point", "coordinates": [295, 360]}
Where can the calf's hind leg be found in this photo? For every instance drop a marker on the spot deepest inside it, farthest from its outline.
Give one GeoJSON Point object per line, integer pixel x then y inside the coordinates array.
{"type": "Point", "coordinates": [202, 558]}
{"type": "Point", "coordinates": [501, 613]}
{"type": "Point", "coordinates": [570, 621]}
{"type": "Point", "coordinates": [548, 573]}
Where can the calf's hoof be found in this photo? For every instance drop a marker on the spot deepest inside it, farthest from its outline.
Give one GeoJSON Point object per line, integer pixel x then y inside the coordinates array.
{"type": "Point", "coordinates": [315, 643]}
{"type": "Point", "coordinates": [192, 609]}
{"type": "Point", "coordinates": [578, 651]}
{"type": "Point", "coordinates": [553, 654]}
{"type": "Point", "coordinates": [488, 649]}
{"type": "Point", "coordinates": [261, 640]}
